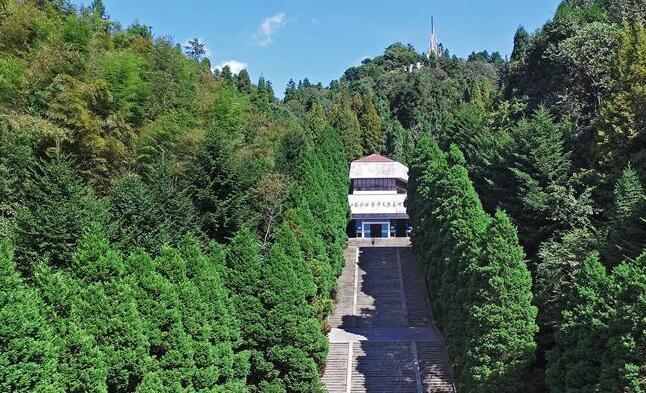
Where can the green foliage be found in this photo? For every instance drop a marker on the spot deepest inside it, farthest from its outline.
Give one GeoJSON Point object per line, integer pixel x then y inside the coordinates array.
{"type": "Point", "coordinates": [132, 297]}
{"type": "Point", "coordinates": [11, 80]}
{"type": "Point", "coordinates": [626, 232]}
{"type": "Point", "coordinates": [371, 128]}
{"type": "Point", "coordinates": [474, 263]}
{"type": "Point", "coordinates": [560, 260]}
{"type": "Point", "coordinates": [184, 155]}
{"type": "Point", "coordinates": [151, 214]}
{"type": "Point", "coordinates": [598, 344]}
{"type": "Point", "coordinates": [521, 42]}
{"type": "Point", "coordinates": [28, 353]}
{"type": "Point", "coordinates": [345, 121]}
{"type": "Point", "coordinates": [620, 135]}
{"type": "Point", "coordinates": [123, 72]}
{"type": "Point", "coordinates": [500, 343]}
{"type": "Point", "coordinates": [56, 211]}
{"type": "Point", "coordinates": [545, 200]}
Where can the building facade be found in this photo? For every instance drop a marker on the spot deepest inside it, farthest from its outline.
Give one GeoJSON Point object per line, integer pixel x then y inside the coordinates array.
{"type": "Point", "coordinates": [376, 197]}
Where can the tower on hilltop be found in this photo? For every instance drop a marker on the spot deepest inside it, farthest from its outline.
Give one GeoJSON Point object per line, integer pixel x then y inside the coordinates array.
{"type": "Point", "coordinates": [433, 46]}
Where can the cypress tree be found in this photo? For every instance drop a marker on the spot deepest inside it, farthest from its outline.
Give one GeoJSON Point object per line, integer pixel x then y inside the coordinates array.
{"type": "Point", "coordinates": [599, 346]}
{"type": "Point", "coordinates": [623, 366]}
{"type": "Point", "coordinates": [574, 363]}
{"type": "Point", "coordinates": [345, 121]}
{"type": "Point", "coordinates": [81, 363]}
{"type": "Point", "coordinates": [501, 325]}
{"type": "Point", "coordinates": [292, 322]}
{"type": "Point", "coordinates": [242, 277]}
{"type": "Point", "coordinates": [371, 128]}
{"type": "Point", "coordinates": [480, 287]}
{"type": "Point", "coordinates": [28, 353]}
{"type": "Point", "coordinates": [107, 299]}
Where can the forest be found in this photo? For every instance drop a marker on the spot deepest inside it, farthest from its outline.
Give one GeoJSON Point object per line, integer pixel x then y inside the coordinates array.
{"type": "Point", "coordinates": [169, 227]}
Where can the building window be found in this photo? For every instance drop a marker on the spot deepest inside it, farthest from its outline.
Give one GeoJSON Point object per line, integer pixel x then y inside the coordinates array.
{"type": "Point", "coordinates": [378, 185]}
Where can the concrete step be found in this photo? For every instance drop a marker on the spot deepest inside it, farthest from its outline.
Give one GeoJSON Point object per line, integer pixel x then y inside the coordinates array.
{"type": "Point", "coordinates": [336, 368]}
{"type": "Point", "coordinates": [383, 337]}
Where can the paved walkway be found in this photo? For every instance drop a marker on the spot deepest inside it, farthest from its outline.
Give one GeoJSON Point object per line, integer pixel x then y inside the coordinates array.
{"type": "Point", "coordinates": [383, 338]}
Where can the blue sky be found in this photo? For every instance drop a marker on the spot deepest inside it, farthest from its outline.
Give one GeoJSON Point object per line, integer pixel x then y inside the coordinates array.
{"type": "Point", "coordinates": [320, 39]}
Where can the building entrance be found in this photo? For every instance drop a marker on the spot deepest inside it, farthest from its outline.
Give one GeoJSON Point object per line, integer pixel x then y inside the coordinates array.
{"type": "Point", "coordinates": [375, 229]}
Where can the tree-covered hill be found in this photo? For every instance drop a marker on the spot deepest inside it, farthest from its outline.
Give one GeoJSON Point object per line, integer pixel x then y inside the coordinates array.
{"type": "Point", "coordinates": [164, 227]}
{"type": "Point", "coordinates": [168, 227]}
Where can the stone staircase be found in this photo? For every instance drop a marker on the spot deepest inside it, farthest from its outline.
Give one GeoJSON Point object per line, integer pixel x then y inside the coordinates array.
{"type": "Point", "coordinates": [383, 338]}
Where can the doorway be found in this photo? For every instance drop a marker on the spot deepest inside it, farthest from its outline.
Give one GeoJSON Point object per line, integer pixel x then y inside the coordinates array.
{"type": "Point", "coordinates": [375, 229]}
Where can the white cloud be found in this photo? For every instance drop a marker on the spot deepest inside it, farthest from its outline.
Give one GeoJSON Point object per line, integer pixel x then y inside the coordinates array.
{"type": "Point", "coordinates": [234, 65]}
{"type": "Point", "coordinates": [268, 28]}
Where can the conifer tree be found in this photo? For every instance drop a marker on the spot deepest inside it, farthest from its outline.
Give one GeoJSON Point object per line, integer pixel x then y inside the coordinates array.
{"type": "Point", "coordinates": [107, 298]}
{"type": "Point", "coordinates": [560, 261]}
{"type": "Point", "coordinates": [57, 210]}
{"type": "Point", "coordinates": [620, 136]}
{"type": "Point", "coordinates": [574, 364]}
{"type": "Point", "coordinates": [623, 367]}
{"type": "Point", "coordinates": [345, 121]}
{"type": "Point", "coordinates": [215, 185]}
{"type": "Point", "coordinates": [470, 259]}
{"type": "Point", "coordinates": [315, 119]}
{"type": "Point", "coordinates": [501, 324]}
{"type": "Point", "coordinates": [243, 81]}
{"type": "Point", "coordinates": [626, 233]}
{"type": "Point", "coordinates": [151, 214]}
{"type": "Point", "coordinates": [371, 128]}
{"type": "Point", "coordinates": [28, 352]}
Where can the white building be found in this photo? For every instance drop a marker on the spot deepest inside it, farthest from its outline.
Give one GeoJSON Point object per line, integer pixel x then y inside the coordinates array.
{"type": "Point", "coordinates": [376, 197]}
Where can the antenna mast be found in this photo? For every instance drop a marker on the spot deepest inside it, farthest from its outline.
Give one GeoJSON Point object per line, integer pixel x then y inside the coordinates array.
{"type": "Point", "coordinates": [433, 46]}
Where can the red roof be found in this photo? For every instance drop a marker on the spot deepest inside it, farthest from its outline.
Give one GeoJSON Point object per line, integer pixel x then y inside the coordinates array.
{"type": "Point", "coordinates": [374, 158]}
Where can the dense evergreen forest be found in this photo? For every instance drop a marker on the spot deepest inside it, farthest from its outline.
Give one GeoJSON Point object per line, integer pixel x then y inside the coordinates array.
{"type": "Point", "coordinates": [169, 227]}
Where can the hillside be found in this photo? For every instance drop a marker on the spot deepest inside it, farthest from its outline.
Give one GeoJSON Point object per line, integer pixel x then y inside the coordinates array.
{"type": "Point", "coordinates": [169, 227]}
